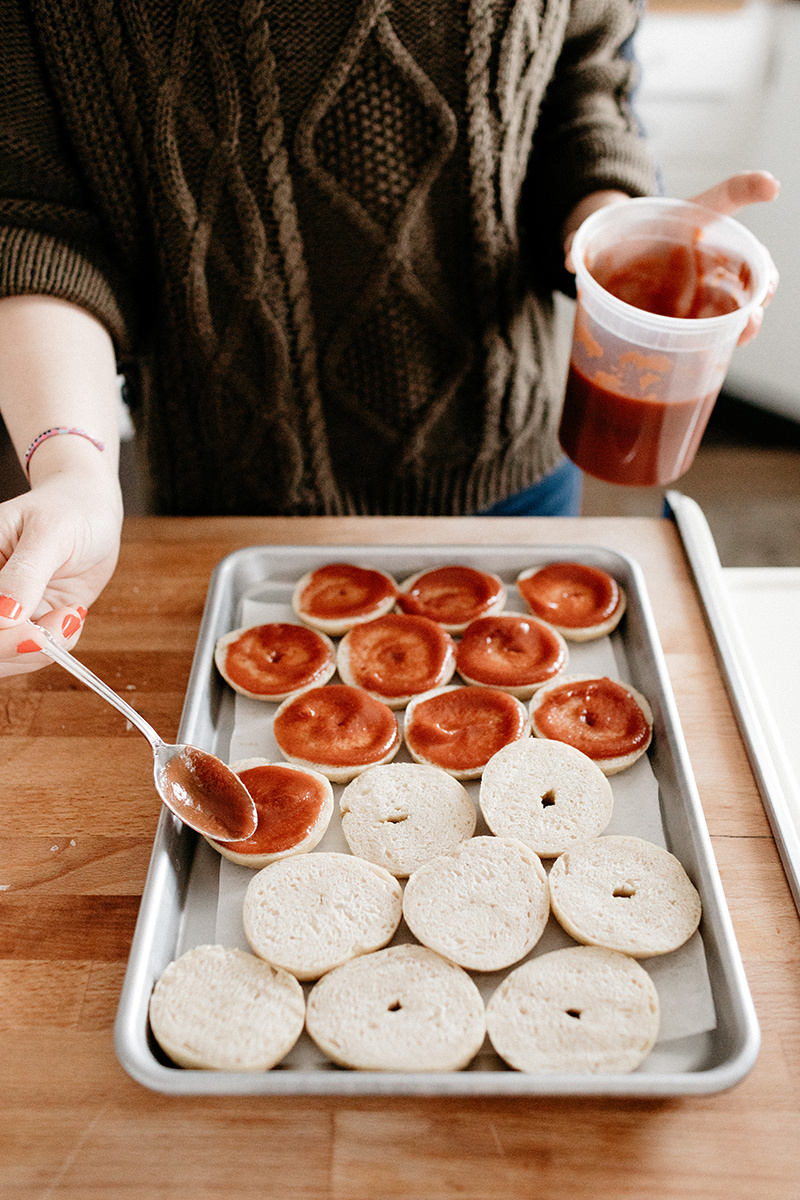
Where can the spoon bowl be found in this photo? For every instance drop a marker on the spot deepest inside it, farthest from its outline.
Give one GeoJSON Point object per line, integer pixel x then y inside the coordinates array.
{"type": "Point", "coordinates": [195, 785]}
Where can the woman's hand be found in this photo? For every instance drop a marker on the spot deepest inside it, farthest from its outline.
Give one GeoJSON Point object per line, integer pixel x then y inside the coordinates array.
{"type": "Point", "coordinates": [728, 197]}
{"type": "Point", "coordinates": [59, 541]}
{"type": "Point", "coordinates": [58, 548]}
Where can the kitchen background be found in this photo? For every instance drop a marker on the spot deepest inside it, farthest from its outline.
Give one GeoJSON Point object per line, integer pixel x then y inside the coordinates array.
{"type": "Point", "coordinates": [720, 92]}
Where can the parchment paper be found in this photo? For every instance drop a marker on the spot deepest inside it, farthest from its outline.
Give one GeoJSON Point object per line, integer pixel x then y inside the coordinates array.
{"type": "Point", "coordinates": [681, 978]}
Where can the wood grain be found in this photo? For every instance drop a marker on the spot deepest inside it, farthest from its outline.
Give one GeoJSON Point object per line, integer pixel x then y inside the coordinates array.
{"type": "Point", "coordinates": [77, 789]}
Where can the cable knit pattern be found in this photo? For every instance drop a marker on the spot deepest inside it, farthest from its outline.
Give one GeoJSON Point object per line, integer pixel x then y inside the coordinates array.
{"type": "Point", "coordinates": [375, 138]}
{"type": "Point", "coordinates": [303, 229]}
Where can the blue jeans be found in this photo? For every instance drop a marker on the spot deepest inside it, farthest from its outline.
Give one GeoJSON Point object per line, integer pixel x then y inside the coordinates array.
{"type": "Point", "coordinates": [557, 495]}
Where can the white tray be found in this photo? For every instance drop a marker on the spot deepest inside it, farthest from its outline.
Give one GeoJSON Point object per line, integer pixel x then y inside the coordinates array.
{"type": "Point", "coordinates": [749, 686]}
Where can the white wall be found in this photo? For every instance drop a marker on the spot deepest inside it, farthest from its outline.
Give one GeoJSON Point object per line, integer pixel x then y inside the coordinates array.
{"type": "Point", "coordinates": [720, 93]}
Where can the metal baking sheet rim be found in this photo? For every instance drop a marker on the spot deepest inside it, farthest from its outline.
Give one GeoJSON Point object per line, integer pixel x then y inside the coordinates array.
{"type": "Point", "coordinates": [173, 848]}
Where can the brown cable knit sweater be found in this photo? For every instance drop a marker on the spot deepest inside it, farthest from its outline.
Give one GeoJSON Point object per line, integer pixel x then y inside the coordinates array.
{"type": "Point", "coordinates": [323, 233]}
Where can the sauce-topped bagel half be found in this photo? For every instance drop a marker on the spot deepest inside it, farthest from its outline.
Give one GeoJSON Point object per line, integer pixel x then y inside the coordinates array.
{"type": "Point", "coordinates": [452, 595]}
{"type": "Point", "coordinates": [335, 597]}
{"type": "Point", "coordinates": [337, 730]}
{"type": "Point", "coordinates": [582, 602]}
{"type": "Point", "coordinates": [396, 656]}
{"type": "Point", "coordinates": [275, 660]}
{"type": "Point", "coordinates": [609, 721]}
{"type": "Point", "coordinates": [511, 651]}
{"type": "Point", "coordinates": [294, 806]}
{"type": "Point", "coordinates": [460, 728]}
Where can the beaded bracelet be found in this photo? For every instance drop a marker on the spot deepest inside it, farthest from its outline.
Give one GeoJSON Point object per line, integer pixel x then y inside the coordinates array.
{"type": "Point", "coordinates": [54, 432]}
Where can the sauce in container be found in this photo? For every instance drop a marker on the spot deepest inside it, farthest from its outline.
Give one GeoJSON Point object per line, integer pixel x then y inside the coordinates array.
{"type": "Point", "coordinates": [665, 288]}
{"type": "Point", "coordinates": [622, 414]}
{"type": "Point", "coordinates": [640, 441]}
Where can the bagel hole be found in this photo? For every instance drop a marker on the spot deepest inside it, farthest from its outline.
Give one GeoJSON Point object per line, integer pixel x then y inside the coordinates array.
{"type": "Point", "coordinates": [624, 891]}
{"type": "Point", "coordinates": [395, 1006]}
{"type": "Point", "coordinates": [395, 819]}
{"type": "Point", "coordinates": [549, 798]}
{"type": "Point", "coordinates": [574, 1012]}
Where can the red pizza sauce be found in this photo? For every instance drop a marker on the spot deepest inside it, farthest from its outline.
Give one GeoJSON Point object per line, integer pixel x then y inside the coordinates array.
{"type": "Point", "coordinates": [570, 594]}
{"type": "Point", "coordinates": [509, 651]}
{"type": "Point", "coordinates": [398, 654]}
{"type": "Point", "coordinates": [336, 725]}
{"type": "Point", "coordinates": [451, 595]}
{"type": "Point", "coordinates": [201, 786]}
{"type": "Point", "coordinates": [461, 728]}
{"type": "Point", "coordinates": [624, 420]}
{"type": "Point", "coordinates": [639, 441]}
{"type": "Point", "coordinates": [272, 660]}
{"type": "Point", "coordinates": [597, 716]}
{"type": "Point", "coordinates": [675, 280]}
{"type": "Point", "coordinates": [341, 591]}
{"type": "Point", "coordinates": [288, 803]}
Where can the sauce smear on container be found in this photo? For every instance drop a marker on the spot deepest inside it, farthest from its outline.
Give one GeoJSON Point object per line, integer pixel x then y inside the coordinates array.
{"type": "Point", "coordinates": [675, 280]}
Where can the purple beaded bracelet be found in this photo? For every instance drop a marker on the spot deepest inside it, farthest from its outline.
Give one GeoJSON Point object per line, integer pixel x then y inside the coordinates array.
{"type": "Point", "coordinates": [57, 429]}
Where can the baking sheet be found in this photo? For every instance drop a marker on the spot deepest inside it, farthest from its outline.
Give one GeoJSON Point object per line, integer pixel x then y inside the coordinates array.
{"type": "Point", "coordinates": [709, 1035]}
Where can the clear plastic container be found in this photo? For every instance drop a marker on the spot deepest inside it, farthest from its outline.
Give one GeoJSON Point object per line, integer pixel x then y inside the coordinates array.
{"type": "Point", "coordinates": [665, 288]}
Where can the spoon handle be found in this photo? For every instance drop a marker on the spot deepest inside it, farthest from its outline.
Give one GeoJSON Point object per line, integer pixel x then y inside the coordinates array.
{"type": "Point", "coordinates": [64, 659]}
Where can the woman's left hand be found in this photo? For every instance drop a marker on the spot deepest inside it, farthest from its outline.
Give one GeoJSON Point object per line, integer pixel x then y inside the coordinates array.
{"type": "Point", "coordinates": [728, 197]}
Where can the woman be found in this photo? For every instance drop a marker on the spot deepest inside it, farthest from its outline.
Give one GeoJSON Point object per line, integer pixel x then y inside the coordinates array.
{"type": "Point", "coordinates": [320, 241]}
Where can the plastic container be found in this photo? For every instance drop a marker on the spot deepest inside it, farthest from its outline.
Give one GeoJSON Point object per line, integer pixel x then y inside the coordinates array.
{"type": "Point", "coordinates": [665, 288]}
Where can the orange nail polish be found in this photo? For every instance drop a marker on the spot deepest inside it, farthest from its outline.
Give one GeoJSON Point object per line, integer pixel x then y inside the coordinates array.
{"type": "Point", "coordinates": [9, 607]}
{"type": "Point", "coordinates": [81, 612]}
{"type": "Point", "coordinates": [28, 647]}
{"type": "Point", "coordinates": [70, 625]}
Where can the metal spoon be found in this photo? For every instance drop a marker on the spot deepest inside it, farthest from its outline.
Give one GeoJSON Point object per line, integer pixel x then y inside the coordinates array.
{"type": "Point", "coordinates": [195, 785]}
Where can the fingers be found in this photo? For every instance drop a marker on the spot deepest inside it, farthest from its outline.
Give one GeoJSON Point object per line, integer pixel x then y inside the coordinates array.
{"type": "Point", "coordinates": [737, 192]}
{"type": "Point", "coordinates": [20, 644]}
{"type": "Point", "coordinates": [27, 573]}
{"type": "Point", "coordinates": [752, 327]}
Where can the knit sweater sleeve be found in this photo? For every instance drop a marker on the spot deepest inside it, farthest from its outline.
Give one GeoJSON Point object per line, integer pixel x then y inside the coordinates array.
{"type": "Point", "coordinates": [588, 136]}
{"type": "Point", "coordinates": [51, 241]}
